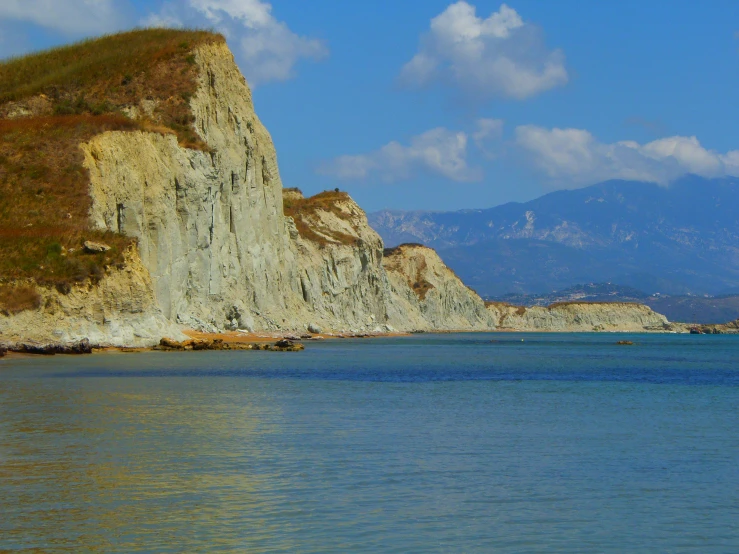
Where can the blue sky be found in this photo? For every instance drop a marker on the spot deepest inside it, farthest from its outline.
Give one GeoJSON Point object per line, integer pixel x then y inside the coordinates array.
{"type": "Point", "coordinates": [451, 105]}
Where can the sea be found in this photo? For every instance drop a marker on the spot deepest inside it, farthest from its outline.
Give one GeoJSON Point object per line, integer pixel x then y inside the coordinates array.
{"type": "Point", "coordinates": [460, 443]}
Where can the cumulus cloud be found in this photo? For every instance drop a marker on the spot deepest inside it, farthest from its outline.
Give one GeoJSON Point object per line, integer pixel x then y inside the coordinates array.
{"type": "Point", "coordinates": [576, 157]}
{"type": "Point", "coordinates": [266, 48]}
{"type": "Point", "coordinates": [439, 151]}
{"type": "Point", "coordinates": [69, 17]}
{"type": "Point", "coordinates": [500, 56]}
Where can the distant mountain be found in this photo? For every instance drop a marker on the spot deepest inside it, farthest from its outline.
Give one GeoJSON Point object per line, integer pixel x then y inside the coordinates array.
{"type": "Point", "coordinates": [685, 309]}
{"type": "Point", "coordinates": [681, 239]}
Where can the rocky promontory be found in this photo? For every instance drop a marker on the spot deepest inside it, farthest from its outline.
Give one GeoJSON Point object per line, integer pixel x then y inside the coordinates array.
{"type": "Point", "coordinates": [578, 317]}
{"type": "Point", "coordinates": [426, 294]}
{"type": "Point", "coordinates": [160, 209]}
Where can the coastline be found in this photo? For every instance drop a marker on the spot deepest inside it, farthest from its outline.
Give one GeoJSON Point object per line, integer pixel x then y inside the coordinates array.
{"type": "Point", "coordinates": [268, 340]}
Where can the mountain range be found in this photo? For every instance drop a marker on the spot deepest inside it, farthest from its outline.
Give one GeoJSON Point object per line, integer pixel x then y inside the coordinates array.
{"type": "Point", "coordinates": [676, 240]}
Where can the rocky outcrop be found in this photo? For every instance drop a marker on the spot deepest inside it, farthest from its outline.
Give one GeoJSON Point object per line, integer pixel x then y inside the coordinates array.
{"type": "Point", "coordinates": [426, 294]}
{"type": "Point", "coordinates": [339, 257]}
{"type": "Point", "coordinates": [195, 345]}
{"type": "Point", "coordinates": [578, 317]}
{"type": "Point", "coordinates": [209, 224]}
{"type": "Point", "coordinates": [120, 310]}
{"type": "Point", "coordinates": [730, 328]}
{"type": "Point", "coordinates": [82, 347]}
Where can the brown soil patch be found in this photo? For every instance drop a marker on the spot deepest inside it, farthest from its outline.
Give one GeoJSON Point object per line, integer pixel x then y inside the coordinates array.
{"type": "Point", "coordinates": [304, 212]}
{"type": "Point", "coordinates": [14, 300]}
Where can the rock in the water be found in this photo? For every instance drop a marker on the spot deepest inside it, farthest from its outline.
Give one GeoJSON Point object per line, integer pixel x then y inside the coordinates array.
{"type": "Point", "coordinates": [3, 351]}
{"type": "Point", "coordinates": [169, 343]}
{"type": "Point", "coordinates": [82, 347]}
{"type": "Point", "coordinates": [315, 329]}
{"type": "Point", "coordinates": [286, 346]}
{"type": "Point", "coordinates": [96, 247]}
{"type": "Point", "coordinates": [625, 343]}
{"type": "Point", "coordinates": [218, 344]}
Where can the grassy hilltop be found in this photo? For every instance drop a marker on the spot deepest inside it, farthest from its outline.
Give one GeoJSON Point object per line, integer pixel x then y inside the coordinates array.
{"type": "Point", "coordinates": [52, 101]}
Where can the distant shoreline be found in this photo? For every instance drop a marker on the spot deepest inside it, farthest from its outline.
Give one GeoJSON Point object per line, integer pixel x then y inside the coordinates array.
{"type": "Point", "coordinates": [263, 338]}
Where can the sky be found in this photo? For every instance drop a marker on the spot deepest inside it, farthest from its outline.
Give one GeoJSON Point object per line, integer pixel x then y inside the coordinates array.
{"type": "Point", "coordinates": [446, 105]}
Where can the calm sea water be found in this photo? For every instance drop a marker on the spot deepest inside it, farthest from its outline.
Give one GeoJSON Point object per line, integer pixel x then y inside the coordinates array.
{"type": "Point", "coordinates": [450, 443]}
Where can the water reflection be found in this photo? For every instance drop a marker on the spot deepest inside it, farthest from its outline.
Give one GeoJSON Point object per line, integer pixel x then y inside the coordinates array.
{"type": "Point", "coordinates": [452, 444]}
{"type": "Point", "coordinates": [90, 468]}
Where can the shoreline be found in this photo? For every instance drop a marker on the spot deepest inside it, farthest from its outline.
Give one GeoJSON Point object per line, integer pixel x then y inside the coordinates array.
{"type": "Point", "coordinates": [270, 336]}
{"type": "Point", "coordinates": [268, 340]}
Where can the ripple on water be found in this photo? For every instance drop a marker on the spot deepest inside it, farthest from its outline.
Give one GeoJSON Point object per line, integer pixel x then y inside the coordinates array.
{"type": "Point", "coordinates": [427, 444]}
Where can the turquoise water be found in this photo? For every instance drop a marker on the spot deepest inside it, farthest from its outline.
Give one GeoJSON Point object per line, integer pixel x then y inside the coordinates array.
{"type": "Point", "coordinates": [447, 443]}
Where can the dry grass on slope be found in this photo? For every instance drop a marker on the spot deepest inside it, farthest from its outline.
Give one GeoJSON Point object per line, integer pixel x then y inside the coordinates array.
{"type": "Point", "coordinates": [304, 212]}
{"type": "Point", "coordinates": [44, 200]}
{"type": "Point", "coordinates": [520, 310]}
{"type": "Point", "coordinates": [14, 300]}
{"type": "Point", "coordinates": [60, 99]}
{"type": "Point", "coordinates": [102, 76]}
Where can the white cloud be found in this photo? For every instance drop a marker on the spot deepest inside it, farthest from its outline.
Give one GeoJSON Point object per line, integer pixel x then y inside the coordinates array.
{"type": "Point", "coordinates": [266, 49]}
{"type": "Point", "coordinates": [68, 16]}
{"type": "Point", "coordinates": [488, 132]}
{"type": "Point", "coordinates": [574, 156]}
{"type": "Point", "coordinates": [167, 17]}
{"type": "Point", "coordinates": [438, 151]}
{"type": "Point", "coordinates": [499, 56]}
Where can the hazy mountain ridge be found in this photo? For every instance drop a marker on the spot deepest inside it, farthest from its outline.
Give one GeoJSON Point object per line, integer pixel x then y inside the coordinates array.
{"type": "Point", "coordinates": [678, 239]}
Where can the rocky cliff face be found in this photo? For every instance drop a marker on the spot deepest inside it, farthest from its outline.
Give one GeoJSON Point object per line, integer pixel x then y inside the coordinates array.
{"type": "Point", "coordinates": [578, 317]}
{"type": "Point", "coordinates": [209, 224]}
{"type": "Point", "coordinates": [119, 311]}
{"type": "Point", "coordinates": [212, 234]}
{"type": "Point", "coordinates": [339, 256]}
{"type": "Point", "coordinates": [426, 294]}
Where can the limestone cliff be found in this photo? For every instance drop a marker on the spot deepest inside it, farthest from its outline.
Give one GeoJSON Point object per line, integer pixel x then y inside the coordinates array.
{"type": "Point", "coordinates": [426, 294]}
{"type": "Point", "coordinates": [339, 259]}
{"type": "Point", "coordinates": [211, 229]}
{"type": "Point", "coordinates": [209, 224]}
{"type": "Point", "coordinates": [120, 310]}
{"type": "Point", "coordinates": [578, 317]}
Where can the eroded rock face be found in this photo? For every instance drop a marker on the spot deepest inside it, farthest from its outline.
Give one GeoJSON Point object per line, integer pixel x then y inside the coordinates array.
{"type": "Point", "coordinates": [119, 311]}
{"type": "Point", "coordinates": [426, 294]}
{"type": "Point", "coordinates": [342, 281]}
{"type": "Point", "coordinates": [578, 317]}
{"type": "Point", "coordinates": [211, 229]}
{"type": "Point", "coordinates": [209, 224]}
{"type": "Point", "coordinates": [95, 247]}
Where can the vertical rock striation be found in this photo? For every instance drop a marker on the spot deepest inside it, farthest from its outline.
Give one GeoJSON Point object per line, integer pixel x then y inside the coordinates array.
{"type": "Point", "coordinates": [209, 224]}
{"type": "Point", "coordinates": [426, 294]}
{"type": "Point", "coordinates": [120, 310]}
{"type": "Point", "coordinates": [339, 259]}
